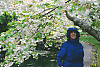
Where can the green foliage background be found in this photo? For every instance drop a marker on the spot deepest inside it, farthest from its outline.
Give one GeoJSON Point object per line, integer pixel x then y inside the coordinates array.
{"type": "Point", "coordinates": [24, 26]}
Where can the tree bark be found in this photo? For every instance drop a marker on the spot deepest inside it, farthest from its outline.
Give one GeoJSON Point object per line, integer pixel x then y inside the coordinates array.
{"type": "Point", "coordinates": [82, 24]}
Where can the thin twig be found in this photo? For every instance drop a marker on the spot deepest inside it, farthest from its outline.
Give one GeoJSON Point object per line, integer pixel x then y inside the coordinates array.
{"type": "Point", "coordinates": [49, 12]}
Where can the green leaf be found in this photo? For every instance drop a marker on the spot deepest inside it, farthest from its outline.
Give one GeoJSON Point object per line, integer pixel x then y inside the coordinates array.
{"type": "Point", "coordinates": [38, 6]}
{"type": "Point", "coordinates": [27, 36]}
{"type": "Point", "coordinates": [21, 14]}
{"type": "Point", "coordinates": [27, 40]}
{"type": "Point", "coordinates": [25, 44]}
{"type": "Point", "coordinates": [71, 10]}
{"type": "Point", "coordinates": [10, 35]}
{"type": "Point", "coordinates": [80, 8]}
{"type": "Point", "coordinates": [60, 13]}
{"type": "Point", "coordinates": [41, 19]}
{"type": "Point", "coordinates": [3, 45]}
{"type": "Point", "coordinates": [37, 16]}
{"type": "Point", "coordinates": [11, 23]}
{"type": "Point", "coordinates": [7, 53]}
{"type": "Point", "coordinates": [4, 38]}
{"type": "Point", "coordinates": [14, 13]}
{"type": "Point", "coordinates": [24, 20]}
{"type": "Point", "coordinates": [55, 0]}
{"type": "Point", "coordinates": [47, 4]}
{"type": "Point", "coordinates": [56, 13]}
{"type": "Point", "coordinates": [50, 24]}
{"type": "Point", "coordinates": [10, 60]}
{"type": "Point", "coordinates": [35, 38]}
{"type": "Point", "coordinates": [50, 43]}
{"type": "Point", "coordinates": [73, 5]}
{"type": "Point", "coordinates": [60, 7]}
{"type": "Point", "coordinates": [25, 49]}
{"type": "Point", "coordinates": [19, 56]}
{"type": "Point", "coordinates": [76, 14]}
{"type": "Point", "coordinates": [30, 6]}
{"type": "Point", "coordinates": [19, 2]}
{"type": "Point", "coordinates": [34, 1]}
{"type": "Point", "coordinates": [14, 46]}
{"type": "Point", "coordinates": [27, 15]}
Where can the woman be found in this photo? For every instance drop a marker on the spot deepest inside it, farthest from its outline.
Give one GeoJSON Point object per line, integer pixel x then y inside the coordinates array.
{"type": "Point", "coordinates": [71, 52]}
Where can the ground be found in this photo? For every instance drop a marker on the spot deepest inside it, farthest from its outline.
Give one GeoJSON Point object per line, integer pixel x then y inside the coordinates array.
{"type": "Point", "coordinates": [87, 54]}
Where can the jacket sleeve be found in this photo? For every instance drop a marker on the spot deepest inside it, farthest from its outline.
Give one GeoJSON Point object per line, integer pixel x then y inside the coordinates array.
{"type": "Point", "coordinates": [61, 54]}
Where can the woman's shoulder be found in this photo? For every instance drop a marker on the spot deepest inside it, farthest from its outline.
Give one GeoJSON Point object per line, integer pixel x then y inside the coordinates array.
{"type": "Point", "coordinates": [65, 44]}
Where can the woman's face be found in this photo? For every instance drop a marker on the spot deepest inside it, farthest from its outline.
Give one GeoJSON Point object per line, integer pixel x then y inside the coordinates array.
{"type": "Point", "coordinates": [73, 35]}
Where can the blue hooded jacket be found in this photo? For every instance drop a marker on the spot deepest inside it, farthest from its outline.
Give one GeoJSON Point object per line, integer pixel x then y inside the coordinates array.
{"type": "Point", "coordinates": [71, 52]}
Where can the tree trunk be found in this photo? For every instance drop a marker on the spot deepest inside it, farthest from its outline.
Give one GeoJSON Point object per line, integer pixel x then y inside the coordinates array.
{"type": "Point", "coordinates": [82, 24]}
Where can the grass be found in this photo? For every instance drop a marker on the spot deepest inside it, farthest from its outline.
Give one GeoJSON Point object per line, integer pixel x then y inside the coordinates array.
{"type": "Point", "coordinates": [83, 33]}
{"type": "Point", "coordinates": [93, 41]}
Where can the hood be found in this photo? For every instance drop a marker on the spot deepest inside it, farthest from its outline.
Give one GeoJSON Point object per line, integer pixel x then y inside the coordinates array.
{"type": "Point", "coordinates": [70, 30]}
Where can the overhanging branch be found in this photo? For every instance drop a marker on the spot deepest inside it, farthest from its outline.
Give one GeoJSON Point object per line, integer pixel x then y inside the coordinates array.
{"type": "Point", "coordinates": [82, 24]}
